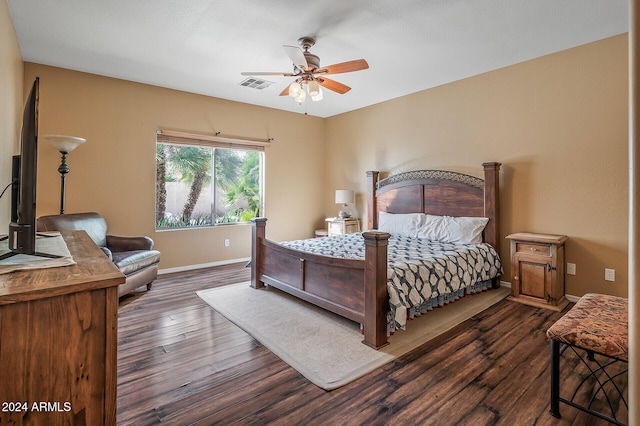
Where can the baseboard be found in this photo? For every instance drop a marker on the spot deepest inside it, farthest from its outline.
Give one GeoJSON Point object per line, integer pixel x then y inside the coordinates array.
{"type": "Point", "coordinates": [201, 266]}
{"type": "Point", "coordinates": [569, 297]}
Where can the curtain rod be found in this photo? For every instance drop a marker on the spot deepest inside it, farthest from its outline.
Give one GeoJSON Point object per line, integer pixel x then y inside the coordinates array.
{"type": "Point", "coordinates": [216, 138]}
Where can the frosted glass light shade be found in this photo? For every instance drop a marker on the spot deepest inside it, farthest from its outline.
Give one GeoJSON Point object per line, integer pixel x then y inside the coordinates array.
{"type": "Point", "coordinates": [345, 196]}
{"type": "Point", "coordinates": [300, 97]}
{"type": "Point", "coordinates": [317, 97]}
{"type": "Point", "coordinates": [314, 88]}
{"type": "Point", "coordinates": [64, 143]}
{"type": "Point", "coordinates": [294, 89]}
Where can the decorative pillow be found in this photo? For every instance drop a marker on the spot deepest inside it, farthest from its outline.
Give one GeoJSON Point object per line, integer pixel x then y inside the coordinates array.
{"type": "Point", "coordinates": [406, 224]}
{"type": "Point", "coordinates": [457, 230]}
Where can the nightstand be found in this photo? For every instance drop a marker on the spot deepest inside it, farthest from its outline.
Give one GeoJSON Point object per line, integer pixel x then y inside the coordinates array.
{"type": "Point", "coordinates": [537, 270]}
{"type": "Point", "coordinates": [338, 226]}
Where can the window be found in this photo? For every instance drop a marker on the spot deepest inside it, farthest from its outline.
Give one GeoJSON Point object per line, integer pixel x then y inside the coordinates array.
{"type": "Point", "coordinates": [202, 182]}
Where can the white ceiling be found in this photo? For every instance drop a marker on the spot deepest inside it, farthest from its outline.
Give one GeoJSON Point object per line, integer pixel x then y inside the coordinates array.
{"type": "Point", "coordinates": [201, 46]}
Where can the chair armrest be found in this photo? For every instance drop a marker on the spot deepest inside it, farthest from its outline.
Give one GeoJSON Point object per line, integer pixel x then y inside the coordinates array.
{"type": "Point", "coordinates": [107, 252]}
{"type": "Point", "coordinates": [116, 243]}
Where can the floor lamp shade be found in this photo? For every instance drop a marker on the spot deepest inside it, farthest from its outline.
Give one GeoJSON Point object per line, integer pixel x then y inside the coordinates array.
{"type": "Point", "coordinates": [64, 143]}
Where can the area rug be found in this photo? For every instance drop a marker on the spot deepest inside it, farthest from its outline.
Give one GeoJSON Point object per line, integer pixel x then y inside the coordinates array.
{"type": "Point", "coordinates": [324, 347]}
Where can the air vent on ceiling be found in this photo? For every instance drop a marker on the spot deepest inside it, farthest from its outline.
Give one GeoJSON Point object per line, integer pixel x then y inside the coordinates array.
{"type": "Point", "coordinates": [256, 83]}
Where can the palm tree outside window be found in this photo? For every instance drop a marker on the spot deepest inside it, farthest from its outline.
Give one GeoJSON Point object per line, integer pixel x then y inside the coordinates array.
{"type": "Point", "coordinates": [200, 185]}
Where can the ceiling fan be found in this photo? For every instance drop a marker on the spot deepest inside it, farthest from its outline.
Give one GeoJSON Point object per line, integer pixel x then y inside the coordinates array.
{"type": "Point", "coordinates": [309, 73]}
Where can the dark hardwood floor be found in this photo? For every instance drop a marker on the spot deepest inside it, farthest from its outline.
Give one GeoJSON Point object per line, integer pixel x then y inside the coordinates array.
{"type": "Point", "coordinates": [180, 362]}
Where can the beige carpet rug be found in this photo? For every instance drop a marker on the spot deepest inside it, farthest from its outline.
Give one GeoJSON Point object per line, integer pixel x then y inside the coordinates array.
{"type": "Point", "coordinates": [324, 347]}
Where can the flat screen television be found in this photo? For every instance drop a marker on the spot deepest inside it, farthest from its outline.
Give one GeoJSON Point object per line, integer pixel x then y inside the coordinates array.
{"type": "Point", "coordinates": [22, 229]}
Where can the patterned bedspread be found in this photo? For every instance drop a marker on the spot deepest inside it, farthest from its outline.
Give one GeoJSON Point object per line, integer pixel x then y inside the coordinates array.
{"type": "Point", "coordinates": [421, 274]}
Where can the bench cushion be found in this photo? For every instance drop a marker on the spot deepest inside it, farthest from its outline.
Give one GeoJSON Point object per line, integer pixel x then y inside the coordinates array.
{"type": "Point", "coordinates": [597, 322]}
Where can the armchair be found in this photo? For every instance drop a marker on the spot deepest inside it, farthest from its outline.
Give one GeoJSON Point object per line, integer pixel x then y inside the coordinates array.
{"type": "Point", "coordinates": [134, 256]}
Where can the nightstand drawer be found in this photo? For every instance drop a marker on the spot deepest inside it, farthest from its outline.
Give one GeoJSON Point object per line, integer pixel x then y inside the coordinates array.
{"type": "Point", "coordinates": [533, 249]}
{"type": "Point", "coordinates": [351, 228]}
{"type": "Point", "coordinates": [337, 226]}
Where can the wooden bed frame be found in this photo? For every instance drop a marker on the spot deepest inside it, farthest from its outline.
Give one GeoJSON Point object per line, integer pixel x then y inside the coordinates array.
{"type": "Point", "coordinates": [357, 289]}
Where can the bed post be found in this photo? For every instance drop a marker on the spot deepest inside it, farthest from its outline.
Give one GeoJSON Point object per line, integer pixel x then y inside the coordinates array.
{"type": "Point", "coordinates": [257, 239]}
{"type": "Point", "coordinates": [491, 207]}
{"type": "Point", "coordinates": [376, 299]}
{"type": "Point", "coordinates": [372, 206]}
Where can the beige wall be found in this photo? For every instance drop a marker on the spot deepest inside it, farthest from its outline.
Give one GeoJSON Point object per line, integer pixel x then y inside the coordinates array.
{"type": "Point", "coordinates": [557, 123]}
{"type": "Point", "coordinates": [114, 172]}
{"type": "Point", "coordinates": [11, 87]}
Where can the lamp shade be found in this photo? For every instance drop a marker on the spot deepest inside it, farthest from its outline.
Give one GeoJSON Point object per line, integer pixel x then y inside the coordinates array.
{"type": "Point", "coordinates": [300, 97]}
{"type": "Point", "coordinates": [345, 196]}
{"type": "Point", "coordinates": [317, 97]}
{"type": "Point", "coordinates": [314, 88]}
{"type": "Point", "coordinates": [294, 89]}
{"type": "Point", "coordinates": [64, 143]}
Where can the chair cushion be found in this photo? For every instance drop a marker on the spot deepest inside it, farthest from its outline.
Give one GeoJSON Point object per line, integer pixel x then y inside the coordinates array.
{"type": "Point", "coordinates": [597, 322]}
{"type": "Point", "coordinates": [129, 262]}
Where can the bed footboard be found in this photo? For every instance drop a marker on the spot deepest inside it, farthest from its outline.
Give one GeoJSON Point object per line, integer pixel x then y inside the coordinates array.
{"type": "Point", "coordinates": [354, 289]}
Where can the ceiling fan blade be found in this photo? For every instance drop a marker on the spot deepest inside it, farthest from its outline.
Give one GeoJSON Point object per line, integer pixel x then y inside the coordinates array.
{"type": "Point", "coordinates": [285, 74]}
{"type": "Point", "coordinates": [357, 65]}
{"type": "Point", "coordinates": [297, 57]}
{"type": "Point", "coordinates": [332, 85]}
{"type": "Point", "coordinates": [285, 92]}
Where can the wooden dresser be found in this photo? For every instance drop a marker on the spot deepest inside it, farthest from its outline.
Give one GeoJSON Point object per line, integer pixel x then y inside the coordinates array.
{"type": "Point", "coordinates": [58, 340]}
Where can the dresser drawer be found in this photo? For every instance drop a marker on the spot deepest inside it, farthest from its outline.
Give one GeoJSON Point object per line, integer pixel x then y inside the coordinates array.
{"type": "Point", "coordinates": [533, 249]}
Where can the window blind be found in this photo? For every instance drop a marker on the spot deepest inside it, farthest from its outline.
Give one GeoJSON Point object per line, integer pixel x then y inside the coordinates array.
{"type": "Point", "coordinates": [173, 137]}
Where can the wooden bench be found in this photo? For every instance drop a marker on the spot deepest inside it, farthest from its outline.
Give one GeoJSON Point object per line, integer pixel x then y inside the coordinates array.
{"type": "Point", "coordinates": [597, 324]}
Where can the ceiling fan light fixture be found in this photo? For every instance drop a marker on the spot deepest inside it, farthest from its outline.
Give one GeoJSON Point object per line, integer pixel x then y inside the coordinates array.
{"type": "Point", "coordinates": [314, 88]}
{"type": "Point", "coordinates": [301, 97]}
{"type": "Point", "coordinates": [317, 97]}
{"type": "Point", "coordinates": [295, 89]}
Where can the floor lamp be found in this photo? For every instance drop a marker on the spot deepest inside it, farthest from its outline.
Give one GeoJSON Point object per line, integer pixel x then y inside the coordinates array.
{"type": "Point", "coordinates": [64, 144]}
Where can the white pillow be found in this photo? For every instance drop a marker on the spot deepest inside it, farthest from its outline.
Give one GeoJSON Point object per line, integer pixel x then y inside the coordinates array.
{"type": "Point", "coordinates": [405, 224]}
{"type": "Point", "coordinates": [457, 230]}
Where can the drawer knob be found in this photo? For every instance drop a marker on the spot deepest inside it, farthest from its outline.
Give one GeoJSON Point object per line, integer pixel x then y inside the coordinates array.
{"type": "Point", "coordinates": [532, 248]}
{"type": "Point", "coordinates": [516, 278]}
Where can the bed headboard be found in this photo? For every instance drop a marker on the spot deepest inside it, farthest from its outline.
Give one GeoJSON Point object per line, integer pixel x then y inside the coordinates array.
{"type": "Point", "coordinates": [438, 192]}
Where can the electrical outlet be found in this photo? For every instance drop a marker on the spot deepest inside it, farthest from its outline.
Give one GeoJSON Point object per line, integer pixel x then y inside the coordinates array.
{"type": "Point", "coordinates": [226, 242]}
{"type": "Point", "coordinates": [571, 268]}
{"type": "Point", "coordinates": [609, 274]}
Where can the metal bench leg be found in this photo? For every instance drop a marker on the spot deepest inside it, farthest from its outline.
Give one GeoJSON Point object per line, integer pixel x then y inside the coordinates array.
{"type": "Point", "coordinates": [555, 379]}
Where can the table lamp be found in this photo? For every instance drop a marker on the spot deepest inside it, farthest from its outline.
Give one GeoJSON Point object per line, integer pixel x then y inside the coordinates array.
{"type": "Point", "coordinates": [345, 197]}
